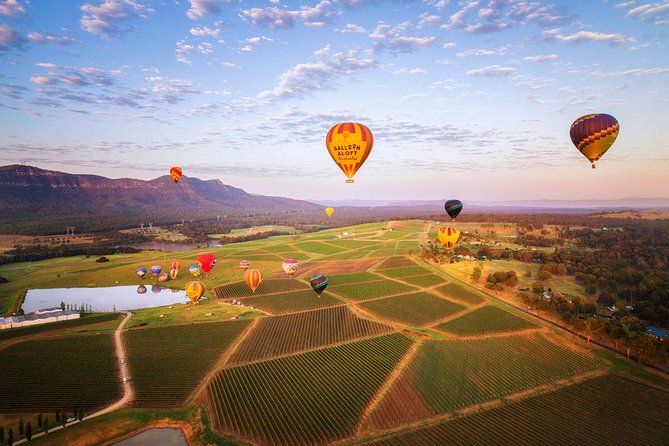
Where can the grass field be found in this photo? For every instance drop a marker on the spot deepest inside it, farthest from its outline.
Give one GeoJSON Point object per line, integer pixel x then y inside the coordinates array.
{"type": "Point", "coordinates": [372, 290]}
{"type": "Point", "coordinates": [408, 271]}
{"type": "Point", "coordinates": [395, 262]}
{"type": "Point", "coordinates": [72, 325]}
{"type": "Point", "coordinates": [605, 410]}
{"type": "Point", "coordinates": [460, 293]}
{"type": "Point", "coordinates": [292, 301]}
{"type": "Point", "coordinates": [485, 320]}
{"type": "Point", "coordinates": [312, 397]}
{"type": "Point", "coordinates": [336, 280]}
{"type": "Point", "coordinates": [58, 374]}
{"type": "Point", "coordinates": [425, 281]}
{"type": "Point", "coordinates": [417, 309]}
{"type": "Point", "coordinates": [166, 363]}
{"type": "Point", "coordinates": [291, 333]}
{"type": "Point", "coordinates": [238, 290]}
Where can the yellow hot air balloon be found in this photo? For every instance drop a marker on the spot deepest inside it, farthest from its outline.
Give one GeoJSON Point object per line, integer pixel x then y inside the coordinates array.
{"type": "Point", "coordinates": [349, 144]}
{"type": "Point", "coordinates": [329, 211]}
{"type": "Point", "coordinates": [594, 134]}
{"type": "Point", "coordinates": [253, 278]}
{"type": "Point", "coordinates": [175, 173]}
{"type": "Point", "coordinates": [448, 236]}
{"type": "Point", "coordinates": [195, 290]}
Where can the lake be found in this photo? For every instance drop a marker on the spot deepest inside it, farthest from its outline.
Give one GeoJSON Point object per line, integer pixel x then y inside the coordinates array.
{"type": "Point", "coordinates": [176, 247]}
{"type": "Point", "coordinates": [156, 436]}
{"type": "Point", "coordinates": [104, 299]}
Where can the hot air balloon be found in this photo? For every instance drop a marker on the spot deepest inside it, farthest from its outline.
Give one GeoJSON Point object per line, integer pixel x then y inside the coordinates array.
{"type": "Point", "coordinates": [244, 264]}
{"type": "Point", "coordinates": [164, 277]}
{"type": "Point", "coordinates": [594, 134]}
{"type": "Point", "coordinates": [155, 270]}
{"type": "Point", "coordinates": [156, 288]}
{"type": "Point", "coordinates": [453, 208]}
{"type": "Point", "coordinates": [318, 282]}
{"type": "Point", "coordinates": [141, 272]}
{"type": "Point", "coordinates": [141, 289]}
{"type": "Point", "coordinates": [175, 173]}
{"type": "Point", "coordinates": [195, 290]}
{"type": "Point", "coordinates": [195, 270]}
{"type": "Point", "coordinates": [253, 278]}
{"type": "Point", "coordinates": [176, 265]}
{"type": "Point", "coordinates": [349, 144]}
{"type": "Point", "coordinates": [448, 236]}
{"type": "Point", "coordinates": [174, 273]}
{"type": "Point", "coordinates": [206, 262]}
{"type": "Point", "coordinates": [290, 266]}
{"type": "Point", "coordinates": [329, 211]}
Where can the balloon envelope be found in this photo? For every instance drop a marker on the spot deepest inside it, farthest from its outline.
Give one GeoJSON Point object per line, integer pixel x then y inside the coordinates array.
{"type": "Point", "coordinates": [155, 270]}
{"type": "Point", "coordinates": [453, 208]}
{"type": "Point", "coordinates": [318, 283]}
{"type": "Point", "coordinates": [206, 262]}
{"type": "Point", "coordinates": [141, 272]}
{"type": "Point", "coordinates": [349, 144]}
{"type": "Point", "coordinates": [448, 236]}
{"type": "Point", "coordinates": [175, 173]}
{"type": "Point", "coordinates": [290, 266]}
{"type": "Point", "coordinates": [195, 290]}
{"type": "Point", "coordinates": [174, 274]}
{"type": "Point", "coordinates": [329, 211]}
{"type": "Point", "coordinates": [594, 134]}
{"type": "Point", "coordinates": [253, 278]}
{"type": "Point", "coordinates": [141, 289]}
{"type": "Point", "coordinates": [164, 277]}
{"type": "Point", "coordinates": [176, 264]}
{"type": "Point", "coordinates": [195, 270]}
{"type": "Point", "coordinates": [244, 264]}
{"type": "Point", "coordinates": [156, 288]}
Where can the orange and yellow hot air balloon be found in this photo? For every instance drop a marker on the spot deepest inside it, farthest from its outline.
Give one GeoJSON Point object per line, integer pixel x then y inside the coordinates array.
{"type": "Point", "coordinates": [175, 173]}
{"type": "Point", "coordinates": [349, 144]}
{"type": "Point", "coordinates": [594, 134]}
{"type": "Point", "coordinates": [448, 236]}
{"type": "Point", "coordinates": [329, 211]}
{"type": "Point", "coordinates": [253, 278]}
{"type": "Point", "coordinates": [195, 290]}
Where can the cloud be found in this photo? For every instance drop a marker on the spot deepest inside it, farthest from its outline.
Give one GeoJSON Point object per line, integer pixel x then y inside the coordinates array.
{"type": "Point", "coordinates": [429, 20]}
{"type": "Point", "coordinates": [394, 38]}
{"type": "Point", "coordinates": [252, 43]}
{"type": "Point", "coordinates": [541, 57]}
{"type": "Point", "coordinates": [625, 5]}
{"type": "Point", "coordinates": [449, 45]}
{"type": "Point", "coordinates": [183, 50]}
{"type": "Point", "coordinates": [477, 53]}
{"type": "Point", "coordinates": [49, 38]}
{"type": "Point", "coordinates": [75, 76]}
{"type": "Point", "coordinates": [633, 72]}
{"type": "Point", "coordinates": [9, 38]}
{"type": "Point", "coordinates": [170, 90]}
{"type": "Point", "coordinates": [203, 31]}
{"type": "Point", "coordinates": [351, 28]}
{"type": "Point", "coordinates": [199, 8]}
{"type": "Point", "coordinates": [587, 36]}
{"type": "Point", "coordinates": [491, 71]}
{"type": "Point", "coordinates": [110, 18]}
{"type": "Point", "coordinates": [304, 78]}
{"type": "Point", "coordinates": [13, 91]}
{"type": "Point", "coordinates": [11, 8]}
{"type": "Point", "coordinates": [271, 17]}
{"type": "Point", "coordinates": [651, 12]}
{"type": "Point", "coordinates": [409, 71]}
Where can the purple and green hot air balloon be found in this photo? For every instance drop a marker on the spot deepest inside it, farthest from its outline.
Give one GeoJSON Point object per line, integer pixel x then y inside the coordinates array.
{"type": "Point", "coordinates": [453, 208]}
{"type": "Point", "coordinates": [318, 282]}
{"type": "Point", "coordinates": [141, 272]}
{"type": "Point", "coordinates": [155, 270]}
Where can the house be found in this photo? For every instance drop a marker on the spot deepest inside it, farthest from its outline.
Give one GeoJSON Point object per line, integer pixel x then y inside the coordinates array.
{"type": "Point", "coordinates": [43, 316]}
{"type": "Point", "coordinates": [657, 333]}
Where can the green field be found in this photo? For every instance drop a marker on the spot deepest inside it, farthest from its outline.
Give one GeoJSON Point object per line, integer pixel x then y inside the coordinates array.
{"type": "Point", "coordinates": [71, 326]}
{"type": "Point", "coordinates": [606, 410]}
{"type": "Point", "coordinates": [336, 280]}
{"type": "Point", "coordinates": [280, 335]}
{"type": "Point", "coordinates": [485, 320]}
{"type": "Point", "coordinates": [459, 292]}
{"type": "Point", "coordinates": [372, 290]}
{"type": "Point", "coordinates": [167, 363]}
{"type": "Point", "coordinates": [319, 248]}
{"type": "Point", "coordinates": [417, 309]}
{"type": "Point", "coordinates": [406, 271]}
{"type": "Point", "coordinates": [448, 375]}
{"type": "Point", "coordinates": [312, 397]}
{"type": "Point", "coordinates": [58, 374]}
{"type": "Point", "coordinates": [238, 290]}
{"type": "Point", "coordinates": [293, 301]}
{"type": "Point", "coordinates": [426, 281]}
{"type": "Point", "coordinates": [395, 262]}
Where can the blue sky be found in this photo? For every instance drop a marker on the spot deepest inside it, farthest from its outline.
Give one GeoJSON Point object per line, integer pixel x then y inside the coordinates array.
{"type": "Point", "coordinates": [468, 99]}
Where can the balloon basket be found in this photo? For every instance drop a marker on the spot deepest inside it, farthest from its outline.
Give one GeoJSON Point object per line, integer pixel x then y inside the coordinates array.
{"type": "Point", "coordinates": [350, 181]}
{"type": "Point", "coordinates": [593, 165]}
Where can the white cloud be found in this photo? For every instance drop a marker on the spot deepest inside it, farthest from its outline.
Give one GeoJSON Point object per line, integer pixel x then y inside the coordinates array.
{"type": "Point", "coordinates": [625, 5]}
{"type": "Point", "coordinates": [395, 38]}
{"type": "Point", "coordinates": [477, 53]}
{"type": "Point", "coordinates": [274, 17]}
{"type": "Point", "coordinates": [540, 57]}
{"type": "Point", "coordinates": [49, 38]}
{"type": "Point", "coordinates": [651, 12]}
{"type": "Point", "coordinates": [491, 71]}
{"type": "Point", "coordinates": [204, 31]}
{"type": "Point", "coordinates": [200, 8]}
{"type": "Point", "coordinates": [409, 71]}
{"type": "Point", "coordinates": [108, 19]}
{"type": "Point", "coordinates": [429, 20]}
{"type": "Point", "coordinates": [252, 43]}
{"type": "Point", "coordinates": [449, 45]}
{"type": "Point", "coordinates": [587, 36]}
{"type": "Point", "coordinates": [351, 28]}
{"type": "Point", "coordinates": [11, 8]}
{"type": "Point", "coordinates": [633, 72]}
{"type": "Point", "coordinates": [9, 38]}
{"type": "Point", "coordinates": [183, 50]}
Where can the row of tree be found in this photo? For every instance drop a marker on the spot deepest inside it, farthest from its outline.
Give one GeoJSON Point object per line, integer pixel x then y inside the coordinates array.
{"type": "Point", "coordinates": [25, 430]}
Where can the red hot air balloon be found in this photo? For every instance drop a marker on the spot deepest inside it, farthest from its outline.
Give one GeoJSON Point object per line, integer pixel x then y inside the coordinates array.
{"type": "Point", "coordinates": [175, 173]}
{"type": "Point", "coordinates": [206, 262]}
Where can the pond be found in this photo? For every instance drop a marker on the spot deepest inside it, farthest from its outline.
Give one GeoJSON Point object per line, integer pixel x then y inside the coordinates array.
{"type": "Point", "coordinates": [176, 247]}
{"type": "Point", "coordinates": [156, 436]}
{"type": "Point", "coordinates": [104, 299]}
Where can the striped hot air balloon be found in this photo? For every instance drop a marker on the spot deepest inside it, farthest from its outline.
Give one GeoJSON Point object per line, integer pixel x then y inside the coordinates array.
{"type": "Point", "coordinates": [195, 270]}
{"type": "Point", "coordinates": [173, 274]}
{"type": "Point", "coordinates": [244, 264]}
{"type": "Point", "coordinates": [349, 144]}
{"type": "Point", "coordinates": [195, 290]}
{"type": "Point", "coordinates": [453, 208]}
{"type": "Point", "coordinates": [175, 173]}
{"type": "Point", "coordinates": [253, 278]}
{"type": "Point", "coordinates": [163, 277]}
{"type": "Point", "coordinates": [594, 134]}
{"type": "Point", "coordinates": [448, 236]}
{"type": "Point", "coordinates": [318, 283]}
{"type": "Point", "coordinates": [176, 264]}
{"type": "Point", "coordinates": [290, 267]}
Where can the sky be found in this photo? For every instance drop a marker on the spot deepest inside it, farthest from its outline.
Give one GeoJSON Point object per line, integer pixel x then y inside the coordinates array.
{"type": "Point", "coordinates": [466, 99]}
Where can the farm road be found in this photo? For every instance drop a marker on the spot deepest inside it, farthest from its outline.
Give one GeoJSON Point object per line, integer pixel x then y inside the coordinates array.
{"type": "Point", "coordinates": [124, 371]}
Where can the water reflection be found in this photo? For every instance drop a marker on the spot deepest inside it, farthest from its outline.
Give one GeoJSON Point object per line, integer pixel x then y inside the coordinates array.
{"type": "Point", "coordinates": [156, 436]}
{"type": "Point", "coordinates": [103, 299]}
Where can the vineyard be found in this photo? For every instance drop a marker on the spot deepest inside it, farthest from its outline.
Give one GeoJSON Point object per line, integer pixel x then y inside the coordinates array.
{"type": "Point", "coordinates": [407, 271]}
{"type": "Point", "coordinates": [449, 375]}
{"type": "Point", "coordinates": [346, 279]}
{"type": "Point", "coordinates": [291, 333]}
{"type": "Point", "coordinates": [458, 292]}
{"type": "Point", "coordinates": [372, 290]}
{"type": "Point", "coordinates": [417, 309]}
{"type": "Point", "coordinates": [395, 262]}
{"type": "Point", "coordinates": [426, 281]}
{"type": "Point", "coordinates": [238, 290]}
{"type": "Point", "coordinates": [607, 410]}
{"type": "Point", "coordinates": [312, 397]}
{"type": "Point", "coordinates": [484, 320]}
{"type": "Point", "coordinates": [58, 374]}
{"type": "Point", "coordinates": [294, 301]}
{"type": "Point", "coordinates": [319, 248]}
{"type": "Point", "coordinates": [88, 319]}
{"type": "Point", "coordinates": [167, 363]}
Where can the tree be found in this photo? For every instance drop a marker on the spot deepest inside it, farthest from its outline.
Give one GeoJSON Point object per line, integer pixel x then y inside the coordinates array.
{"type": "Point", "coordinates": [58, 416]}
{"type": "Point", "coordinates": [29, 431]}
{"type": "Point", "coordinates": [81, 415]}
{"type": "Point", "coordinates": [528, 272]}
{"type": "Point", "coordinates": [544, 275]}
{"type": "Point", "coordinates": [476, 274]}
{"type": "Point", "coordinates": [2, 434]}
{"type": "Point", "coordinates": [39, 421]}
{"type": "Point", "coordinates": [645, 347]}
{"type": "Point", "coordinates": [593, 326]}
{"type": "Point", "coordinates": [10, 437]}
{"type": "Point", "coordinates": [46, 425]}
{"type": "Point", "coordinates": [62, 305]}
{"type": "Point", "coordinates": [537, 287]}
{"type": "Point", "coordinates": [606, 299]}
{"type": "Point", "coordinates": [21, 426]}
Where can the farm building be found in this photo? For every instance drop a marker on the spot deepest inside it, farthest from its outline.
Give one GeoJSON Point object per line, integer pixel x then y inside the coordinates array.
{"type": "Point", "coordinates": [657, 332]}
{"type": "Point", "coordinates": [44, 316]}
